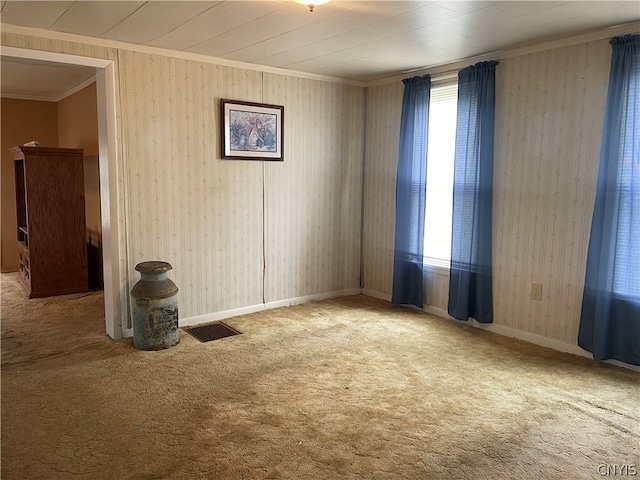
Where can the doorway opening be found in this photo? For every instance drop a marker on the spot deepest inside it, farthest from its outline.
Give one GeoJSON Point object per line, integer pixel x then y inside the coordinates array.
{"type": "Point", "coordinates": [114, 298]}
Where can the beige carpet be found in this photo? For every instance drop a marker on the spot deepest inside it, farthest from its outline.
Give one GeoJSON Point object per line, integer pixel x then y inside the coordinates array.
{"type": "Point", "coordinates": [351, 388]}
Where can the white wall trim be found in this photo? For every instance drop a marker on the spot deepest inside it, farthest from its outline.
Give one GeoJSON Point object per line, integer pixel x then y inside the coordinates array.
{"type": "Point", "coordinates": [112, 252]}
{"type": "Point", "coordinates": [508, 332]}
{"type": "Point", "coordinates": [215, 316]}
{"type": "Point", "coordinates": [447, 69]}
{"type": "Point", "coordinates": [375, 294]}
{"type": "Point", "coordinates": [197, 57]}
{"type": "Point", "coordinates": [33, 98]}
{"type": "Point", "coordinates": [67, 58]}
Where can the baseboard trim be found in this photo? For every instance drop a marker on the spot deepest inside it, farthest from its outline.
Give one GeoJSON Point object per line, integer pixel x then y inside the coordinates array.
{"type": "Point", "coordinates": [216, 316]}
{"type": "Point", "coordinates": [374, 294]}
{"type": "Point", "coordinates": [510, 332]}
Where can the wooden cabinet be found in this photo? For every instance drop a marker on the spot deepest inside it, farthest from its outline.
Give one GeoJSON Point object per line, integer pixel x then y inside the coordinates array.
{"type": "Point", "coordinates": [52, 249]}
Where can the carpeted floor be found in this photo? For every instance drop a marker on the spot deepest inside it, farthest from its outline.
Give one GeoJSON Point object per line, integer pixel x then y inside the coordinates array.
{"type": "Point", "coordinates": [351, 388]}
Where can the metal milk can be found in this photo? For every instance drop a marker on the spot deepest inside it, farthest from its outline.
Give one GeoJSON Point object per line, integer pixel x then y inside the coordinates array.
{"type": "Point", "coordinates": [155, 307]}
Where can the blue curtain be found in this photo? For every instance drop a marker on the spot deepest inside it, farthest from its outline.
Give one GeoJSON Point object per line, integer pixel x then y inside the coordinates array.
{"type": "Point", "coordinates": [470, 277]}
{"type": "Point", "coordinates": [411, 188]}
{"type": "Point", "coordinates": [610, 319]}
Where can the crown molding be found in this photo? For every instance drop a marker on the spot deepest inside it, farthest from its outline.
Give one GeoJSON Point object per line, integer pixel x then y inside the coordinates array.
{"type": "Point", "coordinates": [101, 42]}
{"type": "Point", "coordinates": [34, 98]}
{"type": "Point", "coordinates": [77, 88]}
{"type": "Point", "coordinates": [448, 69]}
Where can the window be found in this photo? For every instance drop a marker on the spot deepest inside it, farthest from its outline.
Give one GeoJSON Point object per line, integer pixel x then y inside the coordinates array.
{"type": "Point", "coordinates": [610, 317]}
{"type": "Point", "coordinates": [626, 269]}
{"type": "Point", "coordinates": [440, 157]}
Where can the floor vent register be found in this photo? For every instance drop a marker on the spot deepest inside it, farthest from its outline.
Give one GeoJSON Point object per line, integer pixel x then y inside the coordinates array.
{"type": "Point", "coordinates": [212, 331]}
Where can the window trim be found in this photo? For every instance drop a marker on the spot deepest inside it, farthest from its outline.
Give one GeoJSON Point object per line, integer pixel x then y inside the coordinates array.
{"type": "Point", "coordinates": [436, 266]}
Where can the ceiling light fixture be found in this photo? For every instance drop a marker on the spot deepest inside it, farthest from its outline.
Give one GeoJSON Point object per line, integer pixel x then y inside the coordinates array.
{"type": "Point", "coordinates": [311, 4]}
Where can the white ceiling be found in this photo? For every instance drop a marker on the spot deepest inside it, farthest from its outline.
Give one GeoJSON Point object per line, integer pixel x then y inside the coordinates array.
{"type": "Point", "coordinates": [39, 80]}
{"type": "Point", "coordinates": [357, 40]}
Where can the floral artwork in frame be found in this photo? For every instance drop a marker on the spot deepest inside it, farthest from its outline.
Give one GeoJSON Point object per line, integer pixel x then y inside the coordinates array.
{"type": "Point", "coordinates": [252, 131]}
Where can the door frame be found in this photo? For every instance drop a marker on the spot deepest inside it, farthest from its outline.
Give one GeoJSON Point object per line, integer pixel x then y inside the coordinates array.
{"type": "Point", "coordinates": [115, 291]}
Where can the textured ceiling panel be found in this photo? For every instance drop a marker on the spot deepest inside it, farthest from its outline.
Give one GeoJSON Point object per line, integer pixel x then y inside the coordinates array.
{"type": "Point", "coordinates": [357, 40]}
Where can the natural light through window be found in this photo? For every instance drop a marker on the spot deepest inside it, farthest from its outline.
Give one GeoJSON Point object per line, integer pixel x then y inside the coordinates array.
{"type": "Point", "coordinates": [440, 156]}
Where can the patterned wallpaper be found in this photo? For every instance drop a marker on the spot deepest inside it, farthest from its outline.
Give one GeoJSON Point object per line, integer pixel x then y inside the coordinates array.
{"type": "Point", "coordinates": [222, 222]}
{"type": "Point", "coordinates": [211, 218]}
{"type": "Point", "coordinates": [550, 109]}
{"type": "Point", "coordinates": [214, 220]}
{"type": "Point", "coordinates": [236, 232]}
{"type": "Point", "coordinates": [313, 199]}
{"type": "Point", "coordinates": [384, 105]}
{"type": "Point", "coordinates": [202, 215]}
{"type": "Point", "coordinates": [548, 134]}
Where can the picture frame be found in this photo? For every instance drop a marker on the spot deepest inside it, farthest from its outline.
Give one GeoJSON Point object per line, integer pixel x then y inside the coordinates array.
{"type": "Point", "coordinates": [252, 131]}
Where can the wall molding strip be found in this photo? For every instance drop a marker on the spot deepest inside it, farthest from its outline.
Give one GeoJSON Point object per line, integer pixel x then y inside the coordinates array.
{"type": "Point", "coordinates": [215, 316]}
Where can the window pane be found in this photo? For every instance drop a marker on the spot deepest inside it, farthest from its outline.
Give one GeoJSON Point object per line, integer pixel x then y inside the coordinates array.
{"type": "Point", "coordinates": [626, 251]}
{"type": "Point", "coordinates": [440, 157]}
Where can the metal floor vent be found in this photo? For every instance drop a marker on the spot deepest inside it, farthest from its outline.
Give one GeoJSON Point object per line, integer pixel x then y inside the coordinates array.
{"type": "Point", "coordinates": [213, 331]}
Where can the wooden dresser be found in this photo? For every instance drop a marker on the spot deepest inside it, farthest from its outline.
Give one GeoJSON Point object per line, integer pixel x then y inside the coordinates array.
{"type": "Point", "coordinates": [52, 248]}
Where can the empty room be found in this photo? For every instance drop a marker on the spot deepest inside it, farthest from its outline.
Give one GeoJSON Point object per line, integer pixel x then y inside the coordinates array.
{"type": "Point", "coordinates": [333, 239]}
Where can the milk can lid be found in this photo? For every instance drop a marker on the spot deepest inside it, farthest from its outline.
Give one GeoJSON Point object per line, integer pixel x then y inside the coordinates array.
{"type": "Point", "coordinates": [154, 266]}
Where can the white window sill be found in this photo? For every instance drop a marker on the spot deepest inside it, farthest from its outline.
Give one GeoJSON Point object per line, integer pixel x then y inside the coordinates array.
{"type": "Point", "coordinates": [436, 265]}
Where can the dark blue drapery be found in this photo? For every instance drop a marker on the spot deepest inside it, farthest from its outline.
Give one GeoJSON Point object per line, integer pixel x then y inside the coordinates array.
{"type": "Point", "coordinates": [411, 192]}
{"type": "Point", "coordinates": [610, 319]}
{"type": "Point", "coordinates": [470, 278]}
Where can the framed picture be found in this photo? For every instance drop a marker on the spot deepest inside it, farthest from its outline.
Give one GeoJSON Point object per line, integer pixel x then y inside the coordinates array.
{"type": "Point", "coordinates": [252, 131]}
